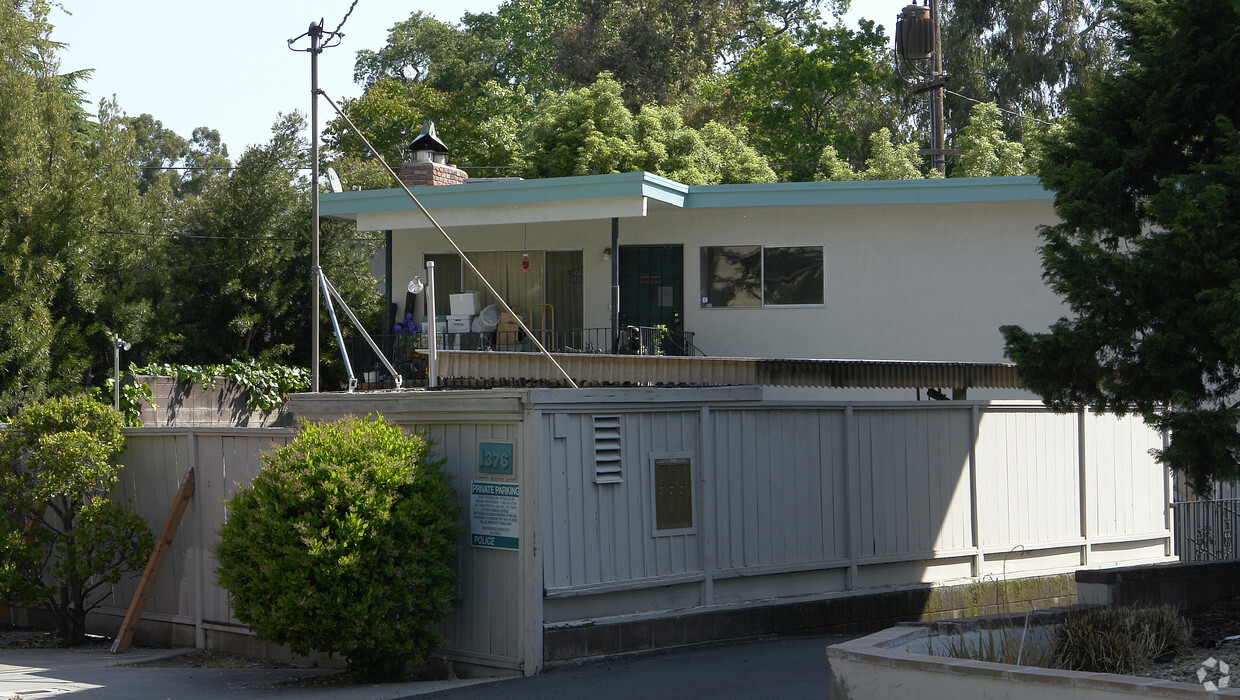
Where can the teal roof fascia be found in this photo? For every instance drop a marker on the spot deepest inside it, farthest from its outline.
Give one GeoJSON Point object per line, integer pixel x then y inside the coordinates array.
{"type": "Point", "coordinates": [936, 191]}
{"type": "Point", "coordinates": [480, 194]}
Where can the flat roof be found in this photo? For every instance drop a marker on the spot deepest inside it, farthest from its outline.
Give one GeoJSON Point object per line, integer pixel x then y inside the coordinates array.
{"type": "Point", "coordinates": [669, 193]}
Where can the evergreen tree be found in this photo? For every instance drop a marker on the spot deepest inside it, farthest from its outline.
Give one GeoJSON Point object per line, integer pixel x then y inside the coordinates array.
{"type": "Point", "coordinates": [65, 284]}
{"type": "Point", "coordinates": [1146, 178]}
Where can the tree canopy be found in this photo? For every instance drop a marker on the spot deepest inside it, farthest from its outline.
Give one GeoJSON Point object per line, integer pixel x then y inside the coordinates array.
{"type": "Point", "coordinates": [99, 235]}
{"type": "Point", "coordinates": [1025, 55]}
{"type": "Point", "coordinates": [788, 75]}
{"type": "Point", "coordinates": [1146, 178]}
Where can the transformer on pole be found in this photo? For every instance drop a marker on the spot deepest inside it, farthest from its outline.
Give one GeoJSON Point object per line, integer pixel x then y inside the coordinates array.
{"type": "Point", "coordinates": [918, 38]}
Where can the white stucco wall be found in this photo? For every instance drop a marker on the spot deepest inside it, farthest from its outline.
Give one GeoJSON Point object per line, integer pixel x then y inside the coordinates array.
{"type": "Point", "coordinates": [903, 281]}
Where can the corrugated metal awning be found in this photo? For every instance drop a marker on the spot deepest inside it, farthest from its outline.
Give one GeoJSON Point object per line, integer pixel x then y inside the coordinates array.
{"type": "Point", "coordinates": [481, 368]}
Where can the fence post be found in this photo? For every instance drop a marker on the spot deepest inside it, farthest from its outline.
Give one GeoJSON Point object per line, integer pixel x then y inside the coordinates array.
{"type": "Point", "coordinates": [1083, 469]}
{"type": "Point", "coordinates": [200, 632]}
{"type": "Point", "coordinates": [707, 474]}
{"type": "Point", "coordinates": [975, 425]}
{"type": "Point", "coordinates": [852, 482]}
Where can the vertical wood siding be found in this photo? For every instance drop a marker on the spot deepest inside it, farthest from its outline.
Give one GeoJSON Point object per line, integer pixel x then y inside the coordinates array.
{"type": "Point", "coordinates": [779, 496]}
{"type": "Point", "coordinates": [605, 532]}
{"type": "Point", "coordinates": [777, 488]}
{"type": "Point", "coordinates": [1126, 494]}
{"type": "Point", "coordinates": [915, 476]}
{"type": "Point", "coordinates": [156, 461]}
{"type": "Point", "coordinates": [487, 619]}
{"type": "Point", "coordinates": [1028, 477]}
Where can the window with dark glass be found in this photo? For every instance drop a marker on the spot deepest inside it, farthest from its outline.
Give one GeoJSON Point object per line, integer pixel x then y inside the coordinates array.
{"type": "Point", "coordinates": [792, 275]}
{"type": "Point", "coordinates": [748, 276]}
{"type": "Point", "coordinates": [732, 276]}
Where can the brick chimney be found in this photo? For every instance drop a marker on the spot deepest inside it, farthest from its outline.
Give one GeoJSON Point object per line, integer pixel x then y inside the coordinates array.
{"type": "Point", "coordinates": [430, 162]}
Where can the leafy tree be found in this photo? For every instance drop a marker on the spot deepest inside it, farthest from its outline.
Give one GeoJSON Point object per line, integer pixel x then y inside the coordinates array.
{"type": "Point", "coordinates": [35, 153]}
{"type": "Point", "coordinates": [353, 521]}
{"type": "Point", "coordinates": [664, 145]}
{"type": "Point", "coordinates": [985, 149]}
{"type": "Point", "coordinates": [207, 158]}
{"type": "Point", "coordinates": [1147, 254]}
{"type": "Point", "coordinates": [480, 126]}
{"type": "Point", "coordinates": [159, 149]}
{"type": "Point", "coordinates": [242, 264]}
{"type": "Point", "coordinates": [888, 161]}
{"type": "Point", "coordinates": [734, 160]}
{"type": "Point", "coordinates": [55, 471]}
{"type": "Point", "coordinates": [826, 86]}
{"type": "Point", "coordinates": [1024, 54]}
{"type": "Point", "coordinates": [590, 131]}
{"type": "Point", "coordinates": [582, 132]}
{"type": "Point", "coordinates": [524, 33]}
{"type": "Point", "coordinates": [657, 49]}
{"type": "Point", "coordinates": [425, 50]}
{"type": "Point", "coordinates": [662, 50]}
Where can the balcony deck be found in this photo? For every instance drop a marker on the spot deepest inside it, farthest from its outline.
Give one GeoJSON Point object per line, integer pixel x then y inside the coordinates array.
{"type": "Point", "coordinates": [481, 360]}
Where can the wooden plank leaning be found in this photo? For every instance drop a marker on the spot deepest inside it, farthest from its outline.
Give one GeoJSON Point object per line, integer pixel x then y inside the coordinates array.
{"type": "Point", "coordinates": [28, 534]}
{"type": "Point", "coordinates": [154, 564]}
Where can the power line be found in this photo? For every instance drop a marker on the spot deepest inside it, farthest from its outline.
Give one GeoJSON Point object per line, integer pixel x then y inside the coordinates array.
{"type": "Point", "coordinates": [190, 167]}
{"type": "Point", "coordinates": [346, 19]}
{"type": "Point", "coordinates": [330, 39]}
{"type": "Point", "coordinates": [222, 238]}
{"type": "Point", "coordinates": [128, 272]}
{"type": "Point", "coordinates": [1006, 111]}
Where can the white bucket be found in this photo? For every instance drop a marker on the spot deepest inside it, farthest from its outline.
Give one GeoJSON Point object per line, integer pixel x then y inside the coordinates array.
{"type": "Point", "coordinates": [487, 320]}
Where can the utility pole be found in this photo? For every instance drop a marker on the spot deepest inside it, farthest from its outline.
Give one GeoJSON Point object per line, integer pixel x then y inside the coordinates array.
{"type": "Point", "coordinates": [939, 156]}
{"type": "Point", "coordinates": [316, 33]}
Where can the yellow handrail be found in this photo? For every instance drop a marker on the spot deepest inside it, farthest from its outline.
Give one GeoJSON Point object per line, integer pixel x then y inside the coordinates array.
{"type": "Point", "coordinates": [544, 331]}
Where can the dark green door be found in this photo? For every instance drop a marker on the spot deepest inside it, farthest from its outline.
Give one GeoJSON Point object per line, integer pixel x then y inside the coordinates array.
{"type": "Point", "coordinates": [652, 286]}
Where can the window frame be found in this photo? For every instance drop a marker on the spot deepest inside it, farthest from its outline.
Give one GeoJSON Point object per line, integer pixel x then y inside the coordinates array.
{"type": "Point", "coordinates": [705, 279]}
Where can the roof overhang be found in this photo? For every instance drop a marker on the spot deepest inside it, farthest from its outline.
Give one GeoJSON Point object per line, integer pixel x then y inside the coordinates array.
{"type": "Point", "coordinates": [504, 202]}
{"type": "Point", "coordinates": [624, 195]}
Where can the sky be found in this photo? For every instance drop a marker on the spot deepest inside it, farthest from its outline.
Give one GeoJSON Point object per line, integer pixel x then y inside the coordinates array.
{"type": "Point", "coordinates": [226, 64]}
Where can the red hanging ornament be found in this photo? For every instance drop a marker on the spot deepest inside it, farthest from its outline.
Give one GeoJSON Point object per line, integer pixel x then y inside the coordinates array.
{"type": "Point", "coordinates": [525, 262]}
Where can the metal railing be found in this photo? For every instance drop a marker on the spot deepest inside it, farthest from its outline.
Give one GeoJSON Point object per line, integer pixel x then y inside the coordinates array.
{"type": "Point", "coordinates": [407, 351]}
{"type": "Point", "coordinates": [1206, 530]}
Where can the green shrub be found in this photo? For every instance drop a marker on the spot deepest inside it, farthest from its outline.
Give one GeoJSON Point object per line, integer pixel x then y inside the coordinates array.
{"type": "Point", "coordinates": [55, 471]}
{"type": "Point", "coordinates": [345, 544]}
{"type": "Point", "coordinates": [1118, 640]}
{"type": "Point", "coordinates": [267, 385]}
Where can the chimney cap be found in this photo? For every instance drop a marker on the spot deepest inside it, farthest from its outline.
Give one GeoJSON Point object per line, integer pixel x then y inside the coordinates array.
{"type": "Point", "coordinates": [427, 140]}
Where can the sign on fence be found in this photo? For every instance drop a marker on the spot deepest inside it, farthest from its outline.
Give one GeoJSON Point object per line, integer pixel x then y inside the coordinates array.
{"type": "Point", "coordinates": [493, 514]}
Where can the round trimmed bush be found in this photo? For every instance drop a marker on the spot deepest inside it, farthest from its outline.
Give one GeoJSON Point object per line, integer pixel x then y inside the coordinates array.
{"type": "Point", "coordinates": [344, 543]}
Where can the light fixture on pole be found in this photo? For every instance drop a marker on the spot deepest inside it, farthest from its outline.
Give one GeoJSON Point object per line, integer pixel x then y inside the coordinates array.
{"type": "Point", "coordinates": [117, 346]}
{"type": "Point", "coordinates": [417, 286]}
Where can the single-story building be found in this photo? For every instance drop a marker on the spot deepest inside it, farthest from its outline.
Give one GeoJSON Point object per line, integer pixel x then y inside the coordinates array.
{"type": "Point", "coordinates": [888, 270]}
{"type": "Point", "coordinates": [609, 519]}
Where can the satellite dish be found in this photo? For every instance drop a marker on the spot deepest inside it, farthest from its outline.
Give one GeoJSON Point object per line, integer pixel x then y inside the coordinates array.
{"type": "Point", "coordinates": [334, 180]}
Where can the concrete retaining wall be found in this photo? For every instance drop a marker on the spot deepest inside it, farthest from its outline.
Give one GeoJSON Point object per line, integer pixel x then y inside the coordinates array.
{"type": "Point", "coordinates": [884, 665]}
{"type": "Point", "coordinates": [1183, 585]}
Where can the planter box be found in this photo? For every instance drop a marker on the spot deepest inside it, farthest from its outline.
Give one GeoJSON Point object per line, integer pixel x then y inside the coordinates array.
{"type": "Point", "coordinates": [181, 403]}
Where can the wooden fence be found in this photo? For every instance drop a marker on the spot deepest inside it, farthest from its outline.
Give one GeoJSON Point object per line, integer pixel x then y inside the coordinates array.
{"type": "Point", "coordinates": [790, 500]}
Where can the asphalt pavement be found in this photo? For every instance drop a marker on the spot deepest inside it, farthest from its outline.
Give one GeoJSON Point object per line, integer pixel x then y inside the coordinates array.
{"type": "Point", "coordinates": [789, 669]}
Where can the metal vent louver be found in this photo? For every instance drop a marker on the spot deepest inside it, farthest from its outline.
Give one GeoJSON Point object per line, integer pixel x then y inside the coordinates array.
{"type": "Point", "coordinates": [607, 450]}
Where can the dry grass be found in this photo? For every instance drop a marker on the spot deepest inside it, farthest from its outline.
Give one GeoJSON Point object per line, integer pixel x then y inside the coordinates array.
{"type": "Point", "coordinates": [1119, 640]}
